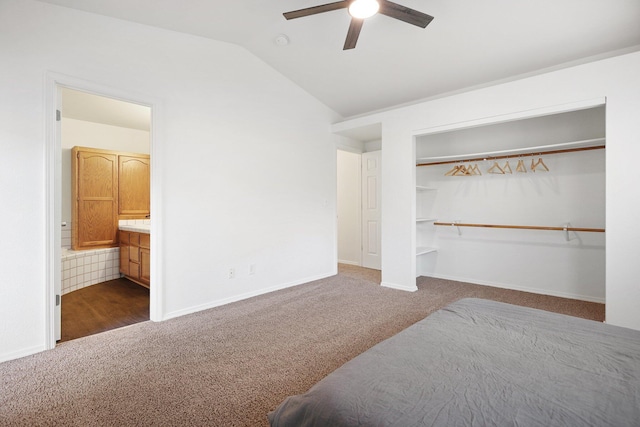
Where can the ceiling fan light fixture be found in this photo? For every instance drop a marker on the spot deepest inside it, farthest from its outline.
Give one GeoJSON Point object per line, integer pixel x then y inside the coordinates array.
{"type": "Point", "coordinates": [363, 9]}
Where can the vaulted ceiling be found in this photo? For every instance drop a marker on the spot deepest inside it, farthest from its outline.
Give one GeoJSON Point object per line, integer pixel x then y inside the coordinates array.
{"type": "Point", "coordinates": [468, 44]}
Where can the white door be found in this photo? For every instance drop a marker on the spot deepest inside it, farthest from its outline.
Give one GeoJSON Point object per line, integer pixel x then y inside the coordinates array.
{"type": "Point", "coordinates": [371, 174]}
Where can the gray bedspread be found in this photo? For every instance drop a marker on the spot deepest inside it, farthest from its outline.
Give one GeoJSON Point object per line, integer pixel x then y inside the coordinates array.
{"type": "Point", "coordinates": [482, 363]}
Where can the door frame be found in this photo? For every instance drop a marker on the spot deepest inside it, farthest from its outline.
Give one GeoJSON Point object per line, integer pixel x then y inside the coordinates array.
{"type": "Point", "coordinates": [53, 184]}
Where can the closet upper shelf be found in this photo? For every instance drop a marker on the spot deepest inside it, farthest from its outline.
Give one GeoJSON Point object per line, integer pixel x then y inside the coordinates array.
{"type": "Point", "coordinates": [421, 250]}
{"type": "Point", "coordinates": [426, 219]}
{"type": "Point", "coordinates": [489, 155]}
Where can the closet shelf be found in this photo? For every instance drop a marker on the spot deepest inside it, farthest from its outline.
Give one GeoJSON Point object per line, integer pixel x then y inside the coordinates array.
{"type": "Point", "coordinates": [421, 250]}
{"type": "Point", "coordinates": [426, 219]}
{"type": "Point", "coordinates": [565, 147]}
{"type": "Point", "coordinates": [423, 188]}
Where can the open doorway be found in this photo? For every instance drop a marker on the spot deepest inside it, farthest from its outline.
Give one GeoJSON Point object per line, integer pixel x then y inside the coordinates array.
{"type": "Point", "coordinates": [95, 297]}
{"type": "Point", "coordinates": [349, 208]}
{"type": "Point", "coordinates": [359, 209]}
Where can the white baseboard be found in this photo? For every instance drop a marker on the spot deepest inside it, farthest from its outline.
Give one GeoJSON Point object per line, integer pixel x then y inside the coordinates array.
{"type": "Point", "coordinates": [240, 297]}
{"type": "Point", "coordinates": [341, 261]}
{"type": "Point", "coordinates": [399, 287]}
{"type": "Point", "coordinates": [22, 353]}
{"type": "Point", "coordinates": [522, 288]}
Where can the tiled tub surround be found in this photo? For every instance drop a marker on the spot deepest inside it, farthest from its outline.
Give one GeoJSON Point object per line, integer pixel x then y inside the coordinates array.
{"type": "Point", "coordinates": [89, 267]}
{"type": "Point", "coordinates": [85, 268]}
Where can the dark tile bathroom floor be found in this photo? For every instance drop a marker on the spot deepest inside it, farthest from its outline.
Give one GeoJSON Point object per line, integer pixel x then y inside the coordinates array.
{"type": "Point", "coordinates": [104, 306]}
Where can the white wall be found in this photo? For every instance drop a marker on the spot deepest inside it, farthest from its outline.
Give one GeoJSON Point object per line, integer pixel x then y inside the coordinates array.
{"type": "Point", "coordinates": [614, 78]}
{"type": "Point", "coordinates": [245, 159]}
{"type": "Point", "coordinates": [375, 145]}
{"type": "Point", "coordinates": [107, 137]}
{"type": "Point", "coordinates": [95, 135]}
{"type": "Point", "coordinates": [349, 208]}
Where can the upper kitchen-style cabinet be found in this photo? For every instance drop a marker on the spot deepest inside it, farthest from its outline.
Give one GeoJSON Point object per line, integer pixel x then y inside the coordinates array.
{"type": "Point", "coordinates": [106, 186]}
{"type": "Point", "coordinates": [134, 186]}
{"type": "Point", "coordinates": [94, 192]}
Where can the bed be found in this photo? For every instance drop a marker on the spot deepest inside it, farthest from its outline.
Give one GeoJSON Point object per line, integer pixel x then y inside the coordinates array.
{"type": "Point", "coordinates": [482, 363]}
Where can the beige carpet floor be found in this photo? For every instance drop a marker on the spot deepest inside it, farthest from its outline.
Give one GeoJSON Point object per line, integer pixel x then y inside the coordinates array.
{"type": "Point", "coordinates": [230, 365]}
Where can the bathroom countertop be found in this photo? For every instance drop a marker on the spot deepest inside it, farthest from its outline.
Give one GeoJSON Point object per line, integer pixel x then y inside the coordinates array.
{"type": "Point", "coordinates": [138, 228]}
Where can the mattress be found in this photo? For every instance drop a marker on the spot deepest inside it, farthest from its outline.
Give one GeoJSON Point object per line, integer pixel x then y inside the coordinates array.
{"type": "Point", "coordinates": [482, 363]}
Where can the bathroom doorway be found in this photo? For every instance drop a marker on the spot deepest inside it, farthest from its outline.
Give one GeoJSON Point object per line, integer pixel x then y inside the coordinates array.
{"type": "Point", "coordinates": [358, 207]}
{"type": "Point", "coordinates": [94, 297]}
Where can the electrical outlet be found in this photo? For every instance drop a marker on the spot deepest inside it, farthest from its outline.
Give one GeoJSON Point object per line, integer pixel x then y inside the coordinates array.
{"type": "Point", "coordinates": [232, 273]}
{"type": "Point", "coordinates": [252, 269]}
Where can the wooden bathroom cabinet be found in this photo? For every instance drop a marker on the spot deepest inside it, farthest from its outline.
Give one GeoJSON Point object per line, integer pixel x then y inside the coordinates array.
{"type": "Point", "coordinates": [135, 256]}
{"type": "Point", "coordinates": [106, 186]}
{"type": "Point", "coordinates": [134, 189]}
{"type": "Point", "coordinates": [94, 195]}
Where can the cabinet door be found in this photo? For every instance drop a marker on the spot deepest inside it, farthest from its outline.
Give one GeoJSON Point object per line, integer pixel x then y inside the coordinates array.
{"type": "Point", "coordinates": [124, 259]}
{"type": "Point", "coordinates": [134, 247]}
{"type": "Point", "coordinates": [145, 240]}
{"type": "Point", "coordinates": [124, 252]}
{"type": "Point", "coordinates": [134, 268]}
{"type": "Point", "coordinates": [145, 266]}
{"type": "Point", "coordinates": [94, 192]}
{"type": "Point", "coordinates": [134, 186]}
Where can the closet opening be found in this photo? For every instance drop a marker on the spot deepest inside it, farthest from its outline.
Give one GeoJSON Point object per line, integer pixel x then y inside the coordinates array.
{"type": "Point", "coordinates": [348, 206]}
{"type": "Point", "coordinates": [518, 204]}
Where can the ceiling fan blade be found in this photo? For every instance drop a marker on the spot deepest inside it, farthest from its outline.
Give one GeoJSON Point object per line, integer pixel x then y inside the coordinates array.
{"type": "Point", "coordinates": [405, 14]}
{"type": "Point", "coordinates": [353, 33]}
{"type": "Point", "coordinates": [317, 9]}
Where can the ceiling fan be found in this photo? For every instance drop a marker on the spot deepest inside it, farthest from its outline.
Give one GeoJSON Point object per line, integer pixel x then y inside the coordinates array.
{"type": "Point", "coordinates": [362, 9]}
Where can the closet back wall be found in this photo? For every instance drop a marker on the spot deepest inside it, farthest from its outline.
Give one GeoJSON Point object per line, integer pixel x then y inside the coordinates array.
{"type": "Point", "coordinates": [573, 190]}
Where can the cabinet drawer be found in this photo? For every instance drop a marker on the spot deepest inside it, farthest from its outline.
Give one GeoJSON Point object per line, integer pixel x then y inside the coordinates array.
{"type": "Point", "coordinates": [134, 239]}
{"type": "Point", "coordinates": [145, 240]}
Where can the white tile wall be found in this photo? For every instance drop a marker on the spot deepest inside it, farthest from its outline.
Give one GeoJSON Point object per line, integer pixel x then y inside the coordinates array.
{"type": "Point", "coordinates": [86, 268]}
{"type": "Point", "coordinates": [134, 222]}
{"type": "Point", "coordinates": [66, 235]}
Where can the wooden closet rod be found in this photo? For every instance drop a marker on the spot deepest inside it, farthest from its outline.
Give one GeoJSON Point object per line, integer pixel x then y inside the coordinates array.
{"type": "Point", "coordinates": [511, 156]}
{"type": "Point", "coordinates": [523, 227]}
